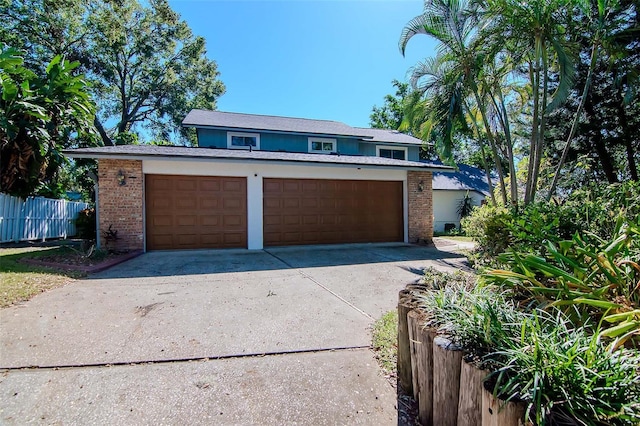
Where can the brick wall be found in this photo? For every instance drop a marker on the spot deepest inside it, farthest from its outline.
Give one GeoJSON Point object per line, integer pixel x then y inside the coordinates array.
{"type": "Point", "coordinates": [121, 206]}
{"type": "Point", "coordinates": [420, 207]}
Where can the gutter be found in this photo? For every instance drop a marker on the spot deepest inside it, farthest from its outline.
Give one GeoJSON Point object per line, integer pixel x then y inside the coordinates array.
{"type": "Point", "coordinates": [142, 157]}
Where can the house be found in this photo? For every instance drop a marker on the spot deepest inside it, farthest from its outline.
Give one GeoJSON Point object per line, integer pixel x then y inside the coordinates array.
{"type": "Point", "coordinates": [256, 181]}
{"type": "Point", "coordinates": [449, 190]}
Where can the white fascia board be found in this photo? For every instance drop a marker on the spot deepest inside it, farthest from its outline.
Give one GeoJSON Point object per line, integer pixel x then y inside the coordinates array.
{"type": "Point", "coordinates": [272, 170]}
{"type": "Point", "coordinates": [214, 162]}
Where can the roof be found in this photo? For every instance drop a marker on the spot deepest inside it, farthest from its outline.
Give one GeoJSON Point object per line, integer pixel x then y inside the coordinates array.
{"type": "Point", "coordinates": [140, 152]}
{"type": "Point", "coordinates": [468, 178]}
{"type": "Point", "coordinates": [391, 136]}
{"type": "Point", "coordinates": [233, 120]}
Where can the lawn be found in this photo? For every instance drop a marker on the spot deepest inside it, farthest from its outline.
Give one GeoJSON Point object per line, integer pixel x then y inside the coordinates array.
{"type": "Point", "coordinates": [385, 339]}
{"type": "Point", "coordinates": [20, 282]}
{"type": "Point", "coordinates": [460, 238]}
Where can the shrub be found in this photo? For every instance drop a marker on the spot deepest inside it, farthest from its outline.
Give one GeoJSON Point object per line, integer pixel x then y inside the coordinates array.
{"type": "Point", "coordinates": [589, 211]}
{"type": "Point", "coordinates": [564, 373]}
{"type": "Point", "coordinates": [86, 224]}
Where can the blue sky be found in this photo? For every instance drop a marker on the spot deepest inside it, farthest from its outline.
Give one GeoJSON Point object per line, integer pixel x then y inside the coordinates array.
{"type": "Point", "coordinates": [326, 59]}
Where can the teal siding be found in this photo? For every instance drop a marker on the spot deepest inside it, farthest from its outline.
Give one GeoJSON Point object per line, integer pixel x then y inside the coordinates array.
{"type": "Point", "coordinates": [369, 149]}
{"type": "Point", "coordinates": [210, 138]}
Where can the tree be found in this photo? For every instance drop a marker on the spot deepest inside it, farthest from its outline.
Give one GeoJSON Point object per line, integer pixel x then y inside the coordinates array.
{"type": "Point", "coordinates": [145, 65]}
{"type": "Point", "coordinates": [390, 114]}
{"type": "Point", "coordinates": [457, 67]}
{"type": "Point", "coordinates": [39, 116]}
{"type": "Point", "coordinates": [604, 112]}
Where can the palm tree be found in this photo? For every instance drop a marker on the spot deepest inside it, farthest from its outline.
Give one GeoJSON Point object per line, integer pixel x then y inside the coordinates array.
{"type": "Point", "coordinates": [453, 24]}
{"type": "Point", "coordinates": [533, 34]}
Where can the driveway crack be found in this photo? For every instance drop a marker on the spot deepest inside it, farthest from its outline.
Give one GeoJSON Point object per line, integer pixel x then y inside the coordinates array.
{"type": "Point", "coordinates": [319, 284]}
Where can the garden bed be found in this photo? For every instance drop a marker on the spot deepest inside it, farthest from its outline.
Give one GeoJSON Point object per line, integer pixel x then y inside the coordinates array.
{"type": "Point", "coordinates": [73, 260]}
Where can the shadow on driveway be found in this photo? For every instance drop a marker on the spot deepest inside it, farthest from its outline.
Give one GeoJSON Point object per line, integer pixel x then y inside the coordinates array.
{"type": "Point", "coordinates": [203, 262]}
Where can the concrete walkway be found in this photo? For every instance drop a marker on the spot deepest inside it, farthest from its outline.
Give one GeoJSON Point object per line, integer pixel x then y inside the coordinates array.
{"type": "Point", "coordinates": [279, 336]}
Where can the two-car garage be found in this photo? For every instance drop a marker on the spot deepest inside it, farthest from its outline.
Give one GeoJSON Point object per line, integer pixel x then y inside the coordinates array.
{"type": "Point", "coordinates": [191, 212]}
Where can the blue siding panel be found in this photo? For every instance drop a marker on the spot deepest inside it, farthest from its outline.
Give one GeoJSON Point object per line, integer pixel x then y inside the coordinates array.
{"type": "Point", "coordinates": [211, 138]}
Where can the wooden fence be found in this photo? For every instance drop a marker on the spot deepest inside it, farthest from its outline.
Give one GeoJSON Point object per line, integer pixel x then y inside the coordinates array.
{"type": "Point", "coordinates": [37, 218]}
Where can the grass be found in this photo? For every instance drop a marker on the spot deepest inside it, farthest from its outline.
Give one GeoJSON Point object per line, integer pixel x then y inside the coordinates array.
{"type": "Point", "coordinates": [20, 282]}
{"type": "Point", "coordinates": [460, 238]}
{"type": "Point", "coordinates": [385, 341]}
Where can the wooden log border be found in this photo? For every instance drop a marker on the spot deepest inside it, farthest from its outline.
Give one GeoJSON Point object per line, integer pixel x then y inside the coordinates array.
{"type": "Point", "coordinates": [448, 390]}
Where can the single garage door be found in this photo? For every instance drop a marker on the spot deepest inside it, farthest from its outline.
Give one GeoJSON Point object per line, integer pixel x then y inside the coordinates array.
{"type": "Point", "coordinates": [192, 212]}
{"type": "Point", "coordinates": [319, 211]}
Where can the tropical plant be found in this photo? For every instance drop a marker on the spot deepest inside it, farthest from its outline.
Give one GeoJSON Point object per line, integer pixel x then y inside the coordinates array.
{"type": "Point", "coordinates": [145, 65]}
{"type": "Point", "coordinates": [39, 116]}
{"type": "Point", "coordinates": [566, 376]}
{"type": "Point", "coordinates": [591, 279]}
{"type": "Point", "coordinates": [451, 79]}
{"type": "Point", "coordinates": [562, 372]}
{"type": "Point", "coordinates": [465, 206]}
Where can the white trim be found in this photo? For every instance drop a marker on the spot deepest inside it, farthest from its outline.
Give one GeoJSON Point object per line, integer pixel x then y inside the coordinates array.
{"type": "Point", "coordinates": [393, 148]}
{"type": "Point", "coordinates": [254, 212]}
{"type": "Point", "coordinates": [314, 139]}
{"type": "Point", "coordinates": [249, 135]}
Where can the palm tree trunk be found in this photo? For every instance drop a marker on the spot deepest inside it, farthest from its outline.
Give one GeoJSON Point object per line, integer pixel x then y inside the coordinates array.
{"type": "Point", "coordinates": [543, 125]}
{"type": "Point", "coordinates": [513, 181]}
{"type": "Point", "coordinates": [492, 142]}
{"type": "Point", "coordinates": [534, 73]}
{"type": "Point", "coordinates": [576, 119]}
{"type": "Point", "coordinates": [484, 156]}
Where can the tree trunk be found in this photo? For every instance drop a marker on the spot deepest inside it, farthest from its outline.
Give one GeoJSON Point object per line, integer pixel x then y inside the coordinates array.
{"type": "Point", "coordinates": [576, 119]}
{"type": "Point", "coordinates": [492, 143]}
{"type": "Point", "coordinates": [484, 156]}
{"type": "Point", "coordinates": [534, 72]}
{"type": "Point", "coordinates": [600, 149]}
{"type": "Point", "coordinates": [106, 140]}
{"type": "Point", "coordinates": [543, 123]}
{"type": "Point", "coordinates": [627, 135]}
{"type": "Point", "coordinates": [513, 180]}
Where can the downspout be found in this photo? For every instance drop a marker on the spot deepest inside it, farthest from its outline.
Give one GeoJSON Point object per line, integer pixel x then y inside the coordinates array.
{"type": "Point", "coordinates": [94, 178]}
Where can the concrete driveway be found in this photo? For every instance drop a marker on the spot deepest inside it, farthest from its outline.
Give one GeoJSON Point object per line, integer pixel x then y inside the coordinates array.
{"type": "Point", "coordinates": [280, 336]}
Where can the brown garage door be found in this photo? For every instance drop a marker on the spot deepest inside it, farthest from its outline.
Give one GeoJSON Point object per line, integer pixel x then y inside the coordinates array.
{"type": "Point", "coordinates": [191, 212]}
{"type": "Point", "coordinates": [319, 211]}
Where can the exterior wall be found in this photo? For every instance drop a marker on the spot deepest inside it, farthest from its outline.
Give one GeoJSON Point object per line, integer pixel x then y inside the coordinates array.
{"type": "Point", "coordinates": [121, 206]}
{"type": "Point", "coordinates": [445, 206]}
{"type": "Point", "coordinates": [211, 138]}
{"type": "Point", "coordinates": [255, 172]}
{"type": "Point", "coordinates": [420, 207]}
{"type": "Point", "coordinates": [369, 149]}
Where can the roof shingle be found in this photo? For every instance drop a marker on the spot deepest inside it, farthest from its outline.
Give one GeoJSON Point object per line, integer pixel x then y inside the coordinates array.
{"type": "Point", "coordinates": [173, 152]}
{"type": "Point", "coordinates": [233, 120]}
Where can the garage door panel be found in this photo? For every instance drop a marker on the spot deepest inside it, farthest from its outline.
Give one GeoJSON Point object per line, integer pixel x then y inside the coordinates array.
{"type": "Point", "coordinates": [191, 220]}
{"type": "Point", "coordinates": [190, 212]}
{"type": "Point", "coordinates": [323, 211]}
{"type": "Point", "coordinates": [185, 184]}
{"type": "Point", "coordinates": [210, 185]}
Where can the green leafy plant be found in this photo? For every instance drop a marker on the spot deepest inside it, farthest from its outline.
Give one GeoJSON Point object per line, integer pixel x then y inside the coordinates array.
{"type": "Point", "coordinates": [601, 278]}
{"type": "Point", "coordinates": [566, 375]}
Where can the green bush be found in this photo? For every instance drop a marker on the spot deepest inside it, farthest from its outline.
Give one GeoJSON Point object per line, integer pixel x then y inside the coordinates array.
{"type": "Point", "coordinates": [589, 211]}
{"type": "Point", "coordinates": [86, 224]}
